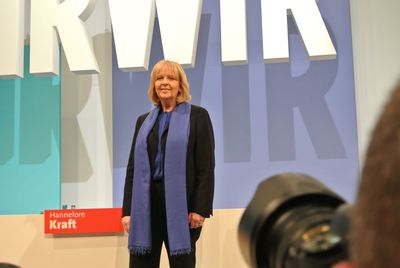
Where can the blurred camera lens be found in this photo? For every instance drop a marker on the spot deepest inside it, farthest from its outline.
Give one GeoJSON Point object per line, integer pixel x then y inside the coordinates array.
{"type": "Point", "coordinates": [288, 223]}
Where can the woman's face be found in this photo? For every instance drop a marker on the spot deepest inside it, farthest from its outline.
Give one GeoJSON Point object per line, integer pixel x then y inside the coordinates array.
{"type": "Point", "coordinates": [167, 84]}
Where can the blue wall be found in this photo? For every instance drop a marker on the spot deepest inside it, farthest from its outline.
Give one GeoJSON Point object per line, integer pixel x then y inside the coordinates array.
{"type": "Point", "coordinates": [268, 118]}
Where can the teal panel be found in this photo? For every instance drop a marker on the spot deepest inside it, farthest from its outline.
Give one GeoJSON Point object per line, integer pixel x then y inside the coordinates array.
{"type": "Point", "coordinates": [30, 156]}
{"type": "Point", "coordinates": [7, 103]}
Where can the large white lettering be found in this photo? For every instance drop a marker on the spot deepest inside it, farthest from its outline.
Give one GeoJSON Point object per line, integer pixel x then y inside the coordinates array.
{"type": "Point", "coordinates": [12, 38]}
{"type": "Point", "coordinates": [66, 17]}
{"type": "Point", "coordinates": [233, 32]}
{"type": "Point", "coordinates": [179, 27]}
{"type": "Point", "coordinates": [133, 22]}
{"type": "Point", "coordinates": [309, 23]}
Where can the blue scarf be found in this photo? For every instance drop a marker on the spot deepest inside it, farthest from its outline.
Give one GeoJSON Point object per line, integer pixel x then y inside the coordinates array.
{"type": "Point", "coordinates": [139, 241]}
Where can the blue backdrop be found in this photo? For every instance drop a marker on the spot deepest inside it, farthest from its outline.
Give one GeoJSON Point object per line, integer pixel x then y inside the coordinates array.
{"type": "Point", "coordinates": [268, 118]}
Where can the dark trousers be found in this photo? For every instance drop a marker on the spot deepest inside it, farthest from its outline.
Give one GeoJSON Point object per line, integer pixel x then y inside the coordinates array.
{"type": "Point", "coordinates": [160, 235]}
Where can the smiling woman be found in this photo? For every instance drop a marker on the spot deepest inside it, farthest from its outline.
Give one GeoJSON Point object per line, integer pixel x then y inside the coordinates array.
{"type": "Point", "coordinates": [167, 88]}
{"type": "Point", "coordinates": [168, 85]}
{"type": "Point", "coordinates": [169, 185]}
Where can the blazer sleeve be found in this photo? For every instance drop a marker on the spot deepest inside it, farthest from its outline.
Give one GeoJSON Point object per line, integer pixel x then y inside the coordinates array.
{"type": "Point", "coordinates": [204, 164]}
{"type": "Point", "coordinates": [126, 205]}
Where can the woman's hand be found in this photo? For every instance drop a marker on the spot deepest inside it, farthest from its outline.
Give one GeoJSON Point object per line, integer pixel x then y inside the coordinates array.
{"type": "Point", "coordinates": [126, 222]}
{"type": "Point", "coordinates": [195, 220]}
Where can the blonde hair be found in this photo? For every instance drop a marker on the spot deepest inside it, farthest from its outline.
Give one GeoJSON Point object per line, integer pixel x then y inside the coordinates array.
{"type": "Point", "coordinates": [184, 92]}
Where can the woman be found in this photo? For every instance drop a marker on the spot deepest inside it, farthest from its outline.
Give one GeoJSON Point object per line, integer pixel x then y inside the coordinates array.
{"type": "Point", "coordinates": [169, 183]}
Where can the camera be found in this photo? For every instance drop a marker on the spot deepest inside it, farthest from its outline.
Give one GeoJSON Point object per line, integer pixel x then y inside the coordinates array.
{"type": "Point", "coordinates": [294, 221]}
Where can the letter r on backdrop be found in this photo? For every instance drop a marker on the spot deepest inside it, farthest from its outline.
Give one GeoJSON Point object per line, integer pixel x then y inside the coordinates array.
{"type": "Point", "coordinates": [309, 23]}
{"type": "Point", "coordinates": [47, 16]}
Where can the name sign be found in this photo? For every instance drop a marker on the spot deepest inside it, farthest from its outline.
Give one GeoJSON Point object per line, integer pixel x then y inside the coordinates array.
{"type": "Point", "coordinates": [81, 221]}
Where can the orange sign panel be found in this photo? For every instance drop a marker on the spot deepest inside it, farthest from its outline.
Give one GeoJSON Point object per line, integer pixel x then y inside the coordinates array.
{"type": "Point", "coordinates": [81, 221]}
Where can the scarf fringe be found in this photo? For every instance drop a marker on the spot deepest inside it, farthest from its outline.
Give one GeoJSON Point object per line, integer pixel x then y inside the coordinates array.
{"type": "Point", "coordinates": [137, 250]}
{"type": "Point", "coordinates": [180, 252]}
{"type": "Point", "coordinates": [147, 250]}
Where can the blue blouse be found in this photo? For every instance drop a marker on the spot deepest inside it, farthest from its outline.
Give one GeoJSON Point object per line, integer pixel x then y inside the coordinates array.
{"type": "Point", "coordinates": [163, 124]}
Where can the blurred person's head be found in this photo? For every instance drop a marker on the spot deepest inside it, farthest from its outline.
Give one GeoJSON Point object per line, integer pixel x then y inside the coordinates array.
{"type": "Point", "coordinates": [375, 238]}
{"type": "Point", "coordinates": [8, 265]}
